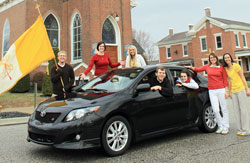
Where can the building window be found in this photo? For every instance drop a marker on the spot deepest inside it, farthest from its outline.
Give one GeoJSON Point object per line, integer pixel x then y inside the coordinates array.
{"type": "Point", "coordinates": [185, 51]}
{"type": "Point", "coordinates": [205, 62]}
{"type": "Point", "coordinates": [247, 64]}
{"type": "Point", "coordinates": [218, 41]}
{"type": "Point", "coordinates": [240, 61]}
{"type": "Point", "coordinates": [6, 37]}
{"type": "Point", "coordinates": [52, 30]}
{"type": "Point", "coordinates": [236, 40]}
{"type": "Point", "coordinates": [168, 53]}
{"type": "Point", "coordinates": [244, 40]}
{"type": "Point", "coordinates": [108, 32]}
{"type": "Point", "coordinates": [203, 43]}
{"type": "Point", "coordinates": [76, 38]}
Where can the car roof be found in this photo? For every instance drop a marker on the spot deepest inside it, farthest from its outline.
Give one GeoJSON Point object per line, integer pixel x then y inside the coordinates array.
{"type": "Point", "coordinates": [164, 65]}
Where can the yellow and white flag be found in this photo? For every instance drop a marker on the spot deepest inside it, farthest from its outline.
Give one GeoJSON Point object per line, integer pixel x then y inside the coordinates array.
{"type": "Point", "coordinates": [29, 51]}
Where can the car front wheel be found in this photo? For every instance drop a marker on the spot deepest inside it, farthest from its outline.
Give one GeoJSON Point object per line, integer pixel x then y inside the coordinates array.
{"type": "Point", "coordinates": [209, 123]}
{"type": "Point", "coordinates": [116, 136]}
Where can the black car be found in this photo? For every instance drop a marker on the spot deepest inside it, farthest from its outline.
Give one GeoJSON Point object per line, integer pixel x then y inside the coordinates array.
{"type": "Point", "coordinates": [118, 107]}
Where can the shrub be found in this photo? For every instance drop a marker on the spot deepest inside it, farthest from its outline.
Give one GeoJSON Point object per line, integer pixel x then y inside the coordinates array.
{"type": "Point", "coordinates": [22, 85]}
{"type": "Point", "coordinates": [47, 85]}
{"type": "Point", "coordinates": [52, 62]}
{"type": "Point", "coordinates": [38, 78]}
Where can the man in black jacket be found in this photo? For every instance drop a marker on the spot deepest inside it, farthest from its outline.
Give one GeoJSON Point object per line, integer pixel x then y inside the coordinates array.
{"type": "Point", "coordinates": [65, 73]}
{"type": "Point", "coordinates": [161, 83]}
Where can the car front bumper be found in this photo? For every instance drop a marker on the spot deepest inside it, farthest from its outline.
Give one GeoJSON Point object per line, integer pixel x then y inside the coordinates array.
{"type": "Point", "coordinates": [70, 135]}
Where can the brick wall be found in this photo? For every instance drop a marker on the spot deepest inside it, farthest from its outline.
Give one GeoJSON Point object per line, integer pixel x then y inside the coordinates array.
{"type": "Point", "coordinates": [93, 14]}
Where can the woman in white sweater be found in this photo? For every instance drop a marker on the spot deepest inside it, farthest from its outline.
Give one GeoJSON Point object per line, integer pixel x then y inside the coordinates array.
{"type": "Point", "coordinates": [134, 59]}
{"type": "Point", "coordinates": [186, 80]}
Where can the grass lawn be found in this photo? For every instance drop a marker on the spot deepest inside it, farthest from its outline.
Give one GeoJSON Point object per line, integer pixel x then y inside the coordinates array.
{"type": "Point", "coordinates": [13, 100]}
{"type": "Point", "coordinates": [248, 83]}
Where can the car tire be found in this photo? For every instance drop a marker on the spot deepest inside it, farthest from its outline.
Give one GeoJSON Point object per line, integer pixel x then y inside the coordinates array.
{"type": "Point", "coordinates": [208, 120]}
{"type": "Point", "coordinates": [116, 136]}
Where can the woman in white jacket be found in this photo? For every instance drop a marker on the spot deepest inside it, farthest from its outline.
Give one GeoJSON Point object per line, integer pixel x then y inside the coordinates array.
{"type": "Point", "coordinates": [134, 59]}
{"type": "Point", "coordinates": [186, 81]}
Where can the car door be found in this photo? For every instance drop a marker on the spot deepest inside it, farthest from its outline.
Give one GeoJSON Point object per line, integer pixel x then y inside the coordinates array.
{"type": "Point", "coordinates": [185, 99]}
{"type": "Point", "coordinates": [155, 112]}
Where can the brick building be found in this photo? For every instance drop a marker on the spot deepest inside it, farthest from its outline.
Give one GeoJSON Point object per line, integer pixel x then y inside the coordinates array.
{"type": "Point", "coordinates": [210, 34]}
{"type": "Point", "coordinates": [72, 25]}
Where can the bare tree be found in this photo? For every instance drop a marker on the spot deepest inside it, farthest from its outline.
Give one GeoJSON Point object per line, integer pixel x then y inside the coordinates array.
{"type": "Point", "coordinates": [144, 39]}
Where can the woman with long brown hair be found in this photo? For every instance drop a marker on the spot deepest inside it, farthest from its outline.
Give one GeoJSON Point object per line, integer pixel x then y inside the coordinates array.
{"type": "Point", "coordinates": [218, 91]}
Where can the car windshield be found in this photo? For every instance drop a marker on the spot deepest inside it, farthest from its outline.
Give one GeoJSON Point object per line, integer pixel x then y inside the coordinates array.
{"type": "Point", "coordinates": [113, 81]}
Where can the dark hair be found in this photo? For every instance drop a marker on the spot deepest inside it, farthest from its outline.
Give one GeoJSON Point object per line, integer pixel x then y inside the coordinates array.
{"type": "Point", "coordinates": [99, 43]}
{"type": "Point", "coordinates": [185, 72]}
{"type": "Point", "coordinates": [224, 63]}
{"type": "Point", "coordinates": [160, 68]}
{"type": "Point", "coordinates": [215, 56]}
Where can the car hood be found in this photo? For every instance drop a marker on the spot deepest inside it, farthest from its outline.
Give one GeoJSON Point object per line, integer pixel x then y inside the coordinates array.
{"type": "Point", "coordinates": [79, 101]}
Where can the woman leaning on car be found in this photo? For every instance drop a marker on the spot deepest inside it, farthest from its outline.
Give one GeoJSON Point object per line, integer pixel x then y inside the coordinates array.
{"type": "Point", "coordinates": [101, 60]}
{"type": "Point", "coordinates": [218, 91]}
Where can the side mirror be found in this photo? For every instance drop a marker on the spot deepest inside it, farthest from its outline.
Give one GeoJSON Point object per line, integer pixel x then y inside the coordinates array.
{"type": "Point", "coordinates": [143, 87]}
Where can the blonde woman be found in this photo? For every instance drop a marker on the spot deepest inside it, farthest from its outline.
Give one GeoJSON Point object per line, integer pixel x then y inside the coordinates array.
{"type": "Point", "coordinates": [134, 59]}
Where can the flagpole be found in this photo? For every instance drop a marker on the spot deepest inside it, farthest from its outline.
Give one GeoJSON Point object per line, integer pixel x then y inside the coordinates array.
{"type": "Point", "coordinates": [64, 93]}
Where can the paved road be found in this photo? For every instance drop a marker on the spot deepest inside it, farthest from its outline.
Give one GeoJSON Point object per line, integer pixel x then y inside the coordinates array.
{"type": "Point", "coordinates": [188, 146]}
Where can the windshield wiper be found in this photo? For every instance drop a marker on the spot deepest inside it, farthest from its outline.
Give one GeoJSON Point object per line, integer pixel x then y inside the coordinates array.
{"type": "Point", "coordinates": [96, 89]}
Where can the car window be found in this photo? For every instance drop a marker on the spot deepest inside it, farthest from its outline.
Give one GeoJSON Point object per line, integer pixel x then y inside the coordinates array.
{"type": "Point", "coordinates": [176, 73]}
{"type": "Point", "coordinates": [147, 77]}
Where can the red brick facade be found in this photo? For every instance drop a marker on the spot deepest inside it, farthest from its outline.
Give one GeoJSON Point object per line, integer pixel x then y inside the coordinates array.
{"type": "Point", "coordinates": [93, 13]}
{"type": "Point", "coordinates": [209, 29]}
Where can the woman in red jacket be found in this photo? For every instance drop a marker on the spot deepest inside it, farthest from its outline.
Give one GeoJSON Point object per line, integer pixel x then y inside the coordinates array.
{"type": "Point", "coordinates": [101, 60]}
{"type": "Point", "coordinates": [218, 91]}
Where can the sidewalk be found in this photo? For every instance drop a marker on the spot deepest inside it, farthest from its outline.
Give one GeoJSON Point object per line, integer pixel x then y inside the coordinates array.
{"type": "Point", "coordinates": [17, 120]}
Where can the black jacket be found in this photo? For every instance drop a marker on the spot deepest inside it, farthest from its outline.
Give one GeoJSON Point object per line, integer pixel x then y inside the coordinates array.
{"type": "Point", "coordinates": [166, 88]}
{"type": "Point", "coordinates": [68, 78]}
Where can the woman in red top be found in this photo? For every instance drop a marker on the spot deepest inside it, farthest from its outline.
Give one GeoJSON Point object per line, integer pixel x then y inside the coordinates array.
{"type": "Point", "coordinates": [101, 60]}
{"type": "Point", "coordinates": [218, 91]}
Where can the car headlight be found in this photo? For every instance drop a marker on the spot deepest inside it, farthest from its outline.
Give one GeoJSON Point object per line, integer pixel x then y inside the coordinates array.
{"type": "Point", "coordinates": [79, 113]}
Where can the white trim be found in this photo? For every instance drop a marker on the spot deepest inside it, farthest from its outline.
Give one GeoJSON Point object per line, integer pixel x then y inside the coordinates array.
{"type": "Point", "coordinates": [184, 51]}
{"type": "Point", "coordinates": [71, 38]}
{"type": "Point", "coordinates": [45, 63]}
{"type": "Point", "coordinates": [76, 61]}
{"type": "Point", "coordinates": [226, 27]}
{"type": "Point", "coordinates": [202, 37]}
{"type": "Point", "coordinates": [168, 47]}
{"type": "Point", "coordinates": [175, 42]}
{"type": "Point", "coordinates": [236, 33]}
{"type": "Point", "coordinates": [59, 28]}
{"type": "Point", "coordinates": [243, 55]}
{"type": "Point", "coordinates": [203, 60]}
{"type": "Point", "coordinates": [85, 66]}
{"type": "Point", "coordinates": [244, 34]}
{"type": "Point", "coordinates": [215, 40]}
{"type": "Point", "coordinates": [9, 5]}
{"type": "Point", "coordinates": [4, 27]}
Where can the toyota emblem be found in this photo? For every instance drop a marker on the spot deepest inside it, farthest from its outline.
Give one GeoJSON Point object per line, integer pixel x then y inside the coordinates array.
{"type": "Point", "coordinates": [42, 114]}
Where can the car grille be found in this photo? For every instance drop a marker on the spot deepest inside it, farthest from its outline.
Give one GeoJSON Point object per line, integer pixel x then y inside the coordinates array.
{"type": "Point", "coordinates": [42, 138]}
{"type": "Point", "coordinates": [47, 118]}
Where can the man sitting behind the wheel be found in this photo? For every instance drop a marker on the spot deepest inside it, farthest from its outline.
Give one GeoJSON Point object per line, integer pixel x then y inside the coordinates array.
{"type": "Point", "coordinates": [161, 83]}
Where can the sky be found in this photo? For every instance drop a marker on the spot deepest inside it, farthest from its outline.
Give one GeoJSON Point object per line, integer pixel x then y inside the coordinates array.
{"type": "Point", "coordinates": [156, 16]}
